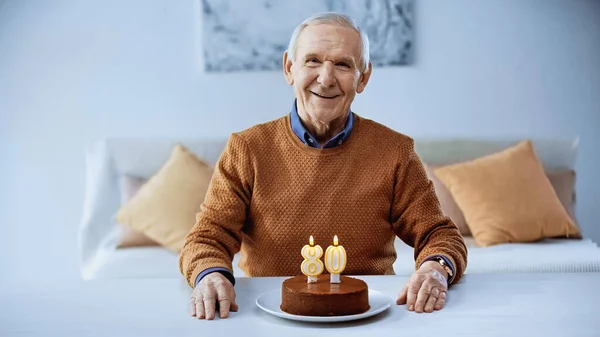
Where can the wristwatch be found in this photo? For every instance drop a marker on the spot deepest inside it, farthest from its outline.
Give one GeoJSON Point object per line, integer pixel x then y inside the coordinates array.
{"type": "Point", "coordinates": [446, 267]}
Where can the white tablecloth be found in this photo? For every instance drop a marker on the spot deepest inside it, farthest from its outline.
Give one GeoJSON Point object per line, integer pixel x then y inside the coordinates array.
{"type": "Point", "coordinates": [481, 305]}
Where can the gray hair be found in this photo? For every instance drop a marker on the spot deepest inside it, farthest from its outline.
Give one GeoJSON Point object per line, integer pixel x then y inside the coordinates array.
{"type": "Point", "coordinates": [333, 18]}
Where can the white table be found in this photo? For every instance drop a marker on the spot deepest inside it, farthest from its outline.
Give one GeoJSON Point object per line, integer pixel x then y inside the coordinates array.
{"type": "Point", "coordinates": [481, 305]}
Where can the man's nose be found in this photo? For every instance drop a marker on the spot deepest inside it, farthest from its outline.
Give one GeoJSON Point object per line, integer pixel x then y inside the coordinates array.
{"type": "Point", "coordinates": [326, 75]}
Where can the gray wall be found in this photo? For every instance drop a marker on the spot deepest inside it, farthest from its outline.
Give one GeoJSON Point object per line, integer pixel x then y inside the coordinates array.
{"type": "Point", "coordinates": [74, 71]}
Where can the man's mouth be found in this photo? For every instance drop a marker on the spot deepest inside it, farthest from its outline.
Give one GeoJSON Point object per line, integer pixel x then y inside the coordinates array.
{"type": "Point", "coordinates": [324, 96]}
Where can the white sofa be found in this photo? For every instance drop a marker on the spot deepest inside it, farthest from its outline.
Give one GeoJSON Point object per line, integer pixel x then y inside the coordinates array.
{"type": "Point", "coordinates": [110, 159]}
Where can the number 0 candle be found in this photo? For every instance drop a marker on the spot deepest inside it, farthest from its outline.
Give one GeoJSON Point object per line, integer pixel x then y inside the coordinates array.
{"type": "Point", "coordinates": [312, 266]}
{"type": "Point", "coordinates": [335, 260]}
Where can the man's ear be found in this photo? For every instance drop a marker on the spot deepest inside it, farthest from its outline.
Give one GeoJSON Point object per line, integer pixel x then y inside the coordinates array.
{"type": "Point", "coordinates": [287, 68]}
{"type": "Point", "coordinates": [364, 79]}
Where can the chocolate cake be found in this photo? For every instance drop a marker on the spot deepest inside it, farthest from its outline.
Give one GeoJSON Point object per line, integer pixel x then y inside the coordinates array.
{"type": "Point", "coordinates": [322, 298]}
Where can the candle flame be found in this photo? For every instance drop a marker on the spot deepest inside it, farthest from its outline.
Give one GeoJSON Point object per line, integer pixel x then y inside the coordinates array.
{"type": "Point", "coordinates": [335, 240]}
{"type": "Point", "coordinates": [311, 241]}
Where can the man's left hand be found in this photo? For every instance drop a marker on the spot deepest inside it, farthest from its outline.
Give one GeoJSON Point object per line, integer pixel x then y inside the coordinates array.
{"type": "Point", "coordinates": [426, 290]}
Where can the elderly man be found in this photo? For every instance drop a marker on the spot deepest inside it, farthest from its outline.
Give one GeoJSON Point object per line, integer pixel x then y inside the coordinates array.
{"type": "Point", "coordinates": [321, 170]}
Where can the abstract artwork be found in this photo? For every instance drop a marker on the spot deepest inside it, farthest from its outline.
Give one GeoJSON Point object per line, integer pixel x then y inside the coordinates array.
{"type": "Point", "coordinates": [252, 35]}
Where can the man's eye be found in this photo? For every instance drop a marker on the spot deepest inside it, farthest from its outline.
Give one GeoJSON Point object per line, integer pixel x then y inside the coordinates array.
{"type": "Point", "coordinates": [343, 65]}
{"type": "Point", "coordinates": [312, 61]}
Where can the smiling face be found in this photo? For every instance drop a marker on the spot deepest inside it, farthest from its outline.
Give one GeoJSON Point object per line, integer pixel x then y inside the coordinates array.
{"type": "Point", "coordinates": [326, 72]}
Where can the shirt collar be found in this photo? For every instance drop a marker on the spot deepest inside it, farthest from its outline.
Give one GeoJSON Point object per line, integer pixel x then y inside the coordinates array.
{"type": "Point", "coordinates": [309, 140]}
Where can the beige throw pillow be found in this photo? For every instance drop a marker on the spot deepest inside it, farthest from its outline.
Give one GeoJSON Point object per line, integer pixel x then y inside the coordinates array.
{"type": "Point", "coordinates": [164, 209]}
{"type": "Point", "coordinates": [130, 237]}
{"type": "Point", "coordinates": [507, 197]}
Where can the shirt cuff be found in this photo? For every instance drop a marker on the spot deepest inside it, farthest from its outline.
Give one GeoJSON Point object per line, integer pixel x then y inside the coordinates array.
{"type": "Point", "coordinates": [447, 260]}
{"type": "Point", "coordinates": [224, 271]}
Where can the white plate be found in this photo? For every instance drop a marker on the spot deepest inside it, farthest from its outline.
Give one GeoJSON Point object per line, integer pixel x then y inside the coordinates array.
{"type": "Point", "coordinates": [271, 300]}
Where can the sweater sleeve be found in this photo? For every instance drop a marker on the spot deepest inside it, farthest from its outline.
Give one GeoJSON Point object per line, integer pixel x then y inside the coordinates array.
{"type": "Point", "coordinates": [417, 217]}
{"type": "Point", "coordinates": [216, 237]}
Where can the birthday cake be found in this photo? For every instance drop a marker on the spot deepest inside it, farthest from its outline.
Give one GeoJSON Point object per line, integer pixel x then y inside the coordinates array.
{"type": "Point", "coordinates": [322, 298]}
{"type": "Point", "coordinates": [317, 294]}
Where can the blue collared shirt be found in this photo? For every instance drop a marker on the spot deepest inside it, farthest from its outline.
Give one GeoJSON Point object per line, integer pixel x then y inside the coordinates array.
{"type": "Point", "coordinates": [310, 140]}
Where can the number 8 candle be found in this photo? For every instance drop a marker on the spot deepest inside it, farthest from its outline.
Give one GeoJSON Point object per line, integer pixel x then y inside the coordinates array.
{"type": "Point", "coordinates": [335, 260]}
{"type": "Point", "coordinates": [312, 267]}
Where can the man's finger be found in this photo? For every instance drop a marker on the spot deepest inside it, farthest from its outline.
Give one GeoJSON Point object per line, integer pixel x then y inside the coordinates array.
{"type": "Point", "coordinates": [192, 306]}
{"type": "Point", "coordinates": [196, 305]}
{"type": "Point", "coordinates": [431, 301]}
{"type": "Point", "coordinates": [209, 307]}
{"type": "Point", "coordinates": [402, 296]}
{"type": "Point", "coordinates": [441, 301]}
{"type": "Point", "coordinates": [200, 309]}
{"type": "Point", "coordinates": [423, 296]}
{"type": "Point", "coordinates": [234, 307]}
{"type": "Point", "coordinates": [224, 298]}
{"type": "Point", "coordinates": [413, 289]}
{"type": "Point", "coordinates": [224, 306]}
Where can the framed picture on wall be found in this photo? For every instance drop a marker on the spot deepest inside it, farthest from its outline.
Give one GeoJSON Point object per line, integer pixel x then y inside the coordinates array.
{"type": "Point", "coordinates": [251, 35]}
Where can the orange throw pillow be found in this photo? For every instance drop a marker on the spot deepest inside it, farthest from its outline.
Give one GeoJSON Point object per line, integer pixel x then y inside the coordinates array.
{"type": "Point", "coordinates": [506, 197]}
{"type": "Point", "coordinates": [563, 182]}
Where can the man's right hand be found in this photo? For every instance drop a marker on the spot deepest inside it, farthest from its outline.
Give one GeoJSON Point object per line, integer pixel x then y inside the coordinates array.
{"type": "Point", "coordinates": [213, 289]}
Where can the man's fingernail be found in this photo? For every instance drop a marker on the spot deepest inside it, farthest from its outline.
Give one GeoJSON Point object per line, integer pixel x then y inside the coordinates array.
{"type": "Point", "coordinates": [411, 308]}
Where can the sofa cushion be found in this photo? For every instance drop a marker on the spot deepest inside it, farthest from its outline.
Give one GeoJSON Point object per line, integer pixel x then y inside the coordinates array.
{"type": "Point", "coordinates": [507, 197]}
{"type": "Point", "coordinates": [164, 208]}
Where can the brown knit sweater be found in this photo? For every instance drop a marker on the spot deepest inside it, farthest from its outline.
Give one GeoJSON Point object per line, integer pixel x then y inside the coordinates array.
{"type": "Point", "coordinates": [270, 192]}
